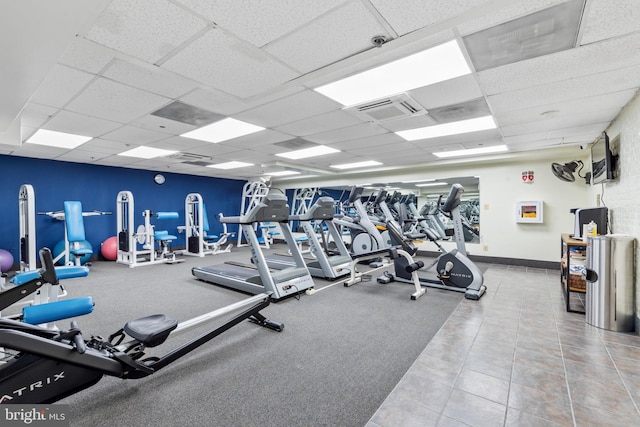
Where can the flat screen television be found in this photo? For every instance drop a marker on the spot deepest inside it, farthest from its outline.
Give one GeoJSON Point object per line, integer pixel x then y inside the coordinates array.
{"type": "Point", "coordinates": [603, 162]}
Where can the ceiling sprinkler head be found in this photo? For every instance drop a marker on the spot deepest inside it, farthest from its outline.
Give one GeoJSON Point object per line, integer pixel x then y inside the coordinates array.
{"type": "Point", "coordinates": [378, 41]}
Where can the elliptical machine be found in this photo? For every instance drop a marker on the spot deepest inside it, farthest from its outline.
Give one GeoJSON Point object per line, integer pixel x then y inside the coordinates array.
{"type": "Point", "coordinates": [454, 270]}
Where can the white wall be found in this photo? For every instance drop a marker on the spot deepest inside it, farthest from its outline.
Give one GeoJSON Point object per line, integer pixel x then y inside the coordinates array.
{"type": "Point", "coordinates": [501, 187]}
{"type": "Point", "coordinates": [622, 196]}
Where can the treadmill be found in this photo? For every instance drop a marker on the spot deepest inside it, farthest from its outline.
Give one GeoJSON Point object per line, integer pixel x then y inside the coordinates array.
{"type": "Point", "coordinates": [321, 264]}
{"type": "Point", "coordinates": [257, 277]}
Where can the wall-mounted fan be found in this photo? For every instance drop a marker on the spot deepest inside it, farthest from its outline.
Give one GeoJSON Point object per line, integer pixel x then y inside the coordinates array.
{"type": "Point", "coordinates": [565, 171]}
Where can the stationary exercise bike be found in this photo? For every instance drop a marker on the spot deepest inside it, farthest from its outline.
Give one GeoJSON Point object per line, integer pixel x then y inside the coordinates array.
{"type": "Point", "coordinates": [454, 270]}
{"type": "Point", "coordinates": [39, 365]}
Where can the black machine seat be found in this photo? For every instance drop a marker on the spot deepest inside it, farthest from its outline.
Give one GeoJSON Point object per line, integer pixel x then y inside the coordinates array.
{"type": "Point", "coordinates": [453, 199]}
{"type": "Point", "coordinates": [151, 330]}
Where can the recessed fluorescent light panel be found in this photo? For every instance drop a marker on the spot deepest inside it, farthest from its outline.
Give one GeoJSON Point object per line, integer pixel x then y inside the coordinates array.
{"type": "Point", "coordinates": [57, 139]}
{"type": "Point", "coordinates": [432, 184]}
{"type": "Point", "coordinates": [472, 151]}
{"type": "Point", "coordinates": [318, 150]}
{"type": "Point", "coordinates": [282, 173]}
{"type": "Point", "coordinates": [453, 128]}
{"type": "Point", "coordinates": [440, 63]}
{"type": "Point", "coordinates": [419, 180]}
{"type": "Point", "coordinates": [143, 152]}
{"type": "Point", "coordinates": [357, 165]}
{"type": "Point", "coordinates": [223, 130]}
{"type": "Point", "coordinates": [230, 165]}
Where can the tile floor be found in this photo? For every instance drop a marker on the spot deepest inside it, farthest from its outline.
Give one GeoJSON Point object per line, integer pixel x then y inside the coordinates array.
{"type": "Point", "coordinates": [517, 358]}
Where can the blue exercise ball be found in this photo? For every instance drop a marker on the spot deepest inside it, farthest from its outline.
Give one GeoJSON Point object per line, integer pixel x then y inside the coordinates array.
{"type": "Point", "coordinates": [59, 248]}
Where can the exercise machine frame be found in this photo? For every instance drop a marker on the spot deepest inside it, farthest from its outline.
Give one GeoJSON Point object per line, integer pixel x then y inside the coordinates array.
{"type": "Point", "coordinates": [195, 229]}
{"type": "Point", "coordinates": [128, 239]}
{"type": "Point", "coordinates": [454, 270]}
{"type": "Point", "coordinates": [257, 277]}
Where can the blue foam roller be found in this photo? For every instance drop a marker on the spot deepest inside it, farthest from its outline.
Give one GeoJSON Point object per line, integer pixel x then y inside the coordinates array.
{"type": "Point", "coordinates": [50, 312]}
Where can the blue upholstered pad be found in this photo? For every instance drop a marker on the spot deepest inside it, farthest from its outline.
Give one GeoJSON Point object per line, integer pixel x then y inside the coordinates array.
{"type": "Point", "coordinates": [50, 312]}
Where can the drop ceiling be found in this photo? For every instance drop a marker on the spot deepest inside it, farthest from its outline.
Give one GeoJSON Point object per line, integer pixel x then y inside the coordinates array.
{"type": "Point", "coordinates": [131, 73]}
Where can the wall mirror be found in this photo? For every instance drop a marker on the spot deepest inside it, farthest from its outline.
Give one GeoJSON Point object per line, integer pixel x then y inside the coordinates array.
{"type": "Point", "coordinates": [427, 192]}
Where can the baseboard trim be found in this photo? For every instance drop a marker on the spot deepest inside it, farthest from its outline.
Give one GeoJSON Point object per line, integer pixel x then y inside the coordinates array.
{"type": "Point", "coordinates": [551, 265]}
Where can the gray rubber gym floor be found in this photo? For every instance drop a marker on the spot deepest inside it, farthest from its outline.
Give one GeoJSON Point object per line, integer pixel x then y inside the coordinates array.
{"type": "Point", "coordinates": [341, 353]}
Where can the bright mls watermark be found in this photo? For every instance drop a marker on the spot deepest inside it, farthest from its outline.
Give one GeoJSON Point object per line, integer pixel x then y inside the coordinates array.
{"type": "Point", "coordinates": [34, 415]}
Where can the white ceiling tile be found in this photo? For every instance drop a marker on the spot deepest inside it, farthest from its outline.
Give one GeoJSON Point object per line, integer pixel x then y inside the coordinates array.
{"type": "Point", "coordinates": [110, 100]}
{"type": "Point", "coordinates": [61, 84]}
{"type": "Point", "coordinates": [257, 139]}
{"type": "Point", "coordinates": [214, 101]}
{"type": "Point", "coordinates": [39, 151]}
{"type": "Point", "coordinates": [397, 147]}
{"type": "Point", "coordinates": [229, 65]}
{"type": "Point", "coordinates": [292, 108]}
{"type": "Point", "coordinates": [178, 143]}
{"type": "Point", "coordinates": [410, 15]}
{"type": "Point", "coordinates": [560, 110]}
{"type": "Point", "coordinates": [320, 123]}
{"type": "Point", "coordinates": [34, 115]}
{"type": "Point", "coordinates": [160, 124]}
{"type": "Point", "coordinates": [422, 120]}
{"type": "Point", "coordinates": [337, 35]}
{"type": "Point", "coordinates": [471, 137]}
{"type": "Point", "coordinates": [33, 36]}
{"type": "Point", "coordinates": [257, 21]}
{"type": "Point", "coordinates": [580, 134]}
{"type": "Point", "coordinates": [144, 29]}
{"type": "Point", "coordinates": [398, 157]}
{"type": "Point", "coordinates": [569, 64]}
{"type": "Point", "coordinates": [115, 160]}
{"type": "Point", "coordinates": [82, 156]}
{"type": "Point", "coordinates": [213, 150]}
{"type": "Point", "coordinates": [364, 144]}
{"type": "Point", "coordinates": [106, 146]}
{"type": "Point", "coordinates": [449, 92]}
{"type": "Point", "coordinates": [80, 124]}
{"type": "Point", "coordinates": [134, 134]}
{"type": "Point", "coordinates": [86, 55]}
{"type": "Point", "coordinates": [152, 79]}
{"type": "Point", "coordinates": [605, 19]}
{"type": "Point", "coordinates": [573, 89]}
{"type": "Point", "coordinates": [559, 123]}
{"type": "Point", "coordinates": [498, 12]}
{"type": "Point", "coordinates": [347, 133]}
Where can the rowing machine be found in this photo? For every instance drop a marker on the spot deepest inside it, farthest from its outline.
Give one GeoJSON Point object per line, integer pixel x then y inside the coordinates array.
{"type": "Point", "coordinates": [39, 365]}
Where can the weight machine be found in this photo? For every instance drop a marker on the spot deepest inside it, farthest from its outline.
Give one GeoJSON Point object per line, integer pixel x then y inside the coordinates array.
{"type": "Point", "coordinates": [27, 207]}
{"type": "Point", "coordinates": [196, 227]}
{"type": "Point", "coordinates": [129, 252]}
{"type": "Point", "coordinates": [74, 236]}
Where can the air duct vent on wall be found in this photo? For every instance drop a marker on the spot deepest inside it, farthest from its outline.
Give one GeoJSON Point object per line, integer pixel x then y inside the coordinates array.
{"type": "Point", "coordinates": [393, 107]}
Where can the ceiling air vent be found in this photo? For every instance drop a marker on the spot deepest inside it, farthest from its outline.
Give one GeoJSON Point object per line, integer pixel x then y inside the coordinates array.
{"type": "Point", "coordinates": [189, 157]}
{"type": "Point", "coordinates": [393, 107]}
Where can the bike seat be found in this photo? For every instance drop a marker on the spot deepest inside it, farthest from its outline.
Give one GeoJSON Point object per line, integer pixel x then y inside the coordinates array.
{"type": "Point", "coordinates": [151, 330]}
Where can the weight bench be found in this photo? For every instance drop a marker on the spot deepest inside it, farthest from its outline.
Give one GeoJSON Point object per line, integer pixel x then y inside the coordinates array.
{"type": "Point", "coordinates": [29, 282]}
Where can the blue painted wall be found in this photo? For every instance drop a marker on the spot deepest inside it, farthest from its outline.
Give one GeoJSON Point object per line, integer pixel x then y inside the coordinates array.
{"type": "Point", "coordinates": [97, 188]}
